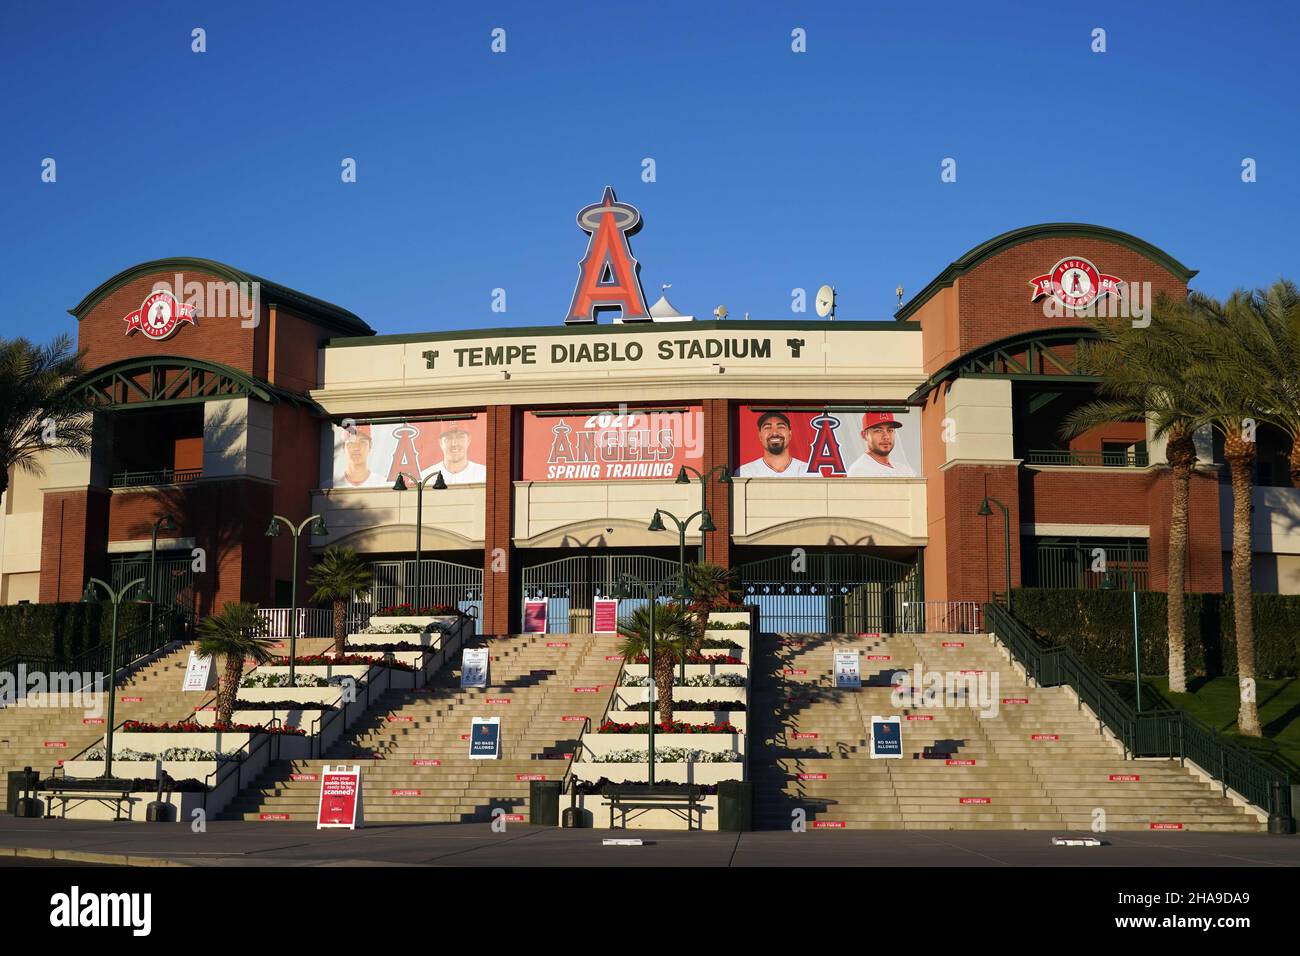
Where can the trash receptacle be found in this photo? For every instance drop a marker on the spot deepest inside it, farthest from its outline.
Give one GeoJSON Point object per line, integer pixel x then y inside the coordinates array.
{"type": "Point", "coordinates": [735, 806]}
{"type": "Point", "coordinates": [544, 803]}
{"type": "Point", "coordinates": [20, 780]}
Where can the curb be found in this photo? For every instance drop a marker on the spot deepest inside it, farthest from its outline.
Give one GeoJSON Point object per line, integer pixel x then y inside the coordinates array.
{"type": "Point", "coordinates": [80, 856]}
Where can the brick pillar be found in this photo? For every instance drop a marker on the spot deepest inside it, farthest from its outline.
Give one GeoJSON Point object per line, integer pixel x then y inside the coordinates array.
{"type": "Point", "coordinates": [717, 451]}
{"type": "Point", "coordinates": [498, 554]}
{"type": "Point", "coordinates": [976, 553]}
{"type": "Point", "coordinates": [74, 542]}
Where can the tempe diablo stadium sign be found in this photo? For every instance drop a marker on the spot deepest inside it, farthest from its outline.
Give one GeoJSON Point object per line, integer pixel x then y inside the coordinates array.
{"type": "Point", "coordinates": [607, 446]}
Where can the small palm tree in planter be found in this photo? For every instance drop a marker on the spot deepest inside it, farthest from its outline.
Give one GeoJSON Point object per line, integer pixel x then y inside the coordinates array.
{"type": "Point", "coordinates": [674, 639]}
{"type": "Point", "coordinates": [337, 575]}
{"type": "Point", "coordinates": [235, 634]}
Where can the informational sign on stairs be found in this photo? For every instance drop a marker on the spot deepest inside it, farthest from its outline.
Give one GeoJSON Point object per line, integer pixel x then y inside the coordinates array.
{"type": "Point", "coordinates": [604, 616]}
{"type": "Point", "coordinates": [535, 616]}
{"type": "Point", "coordinates": [199, 674]}
{"type": "Point", "coordinates": [848, 672]}
{"type": "Point", "coordinates": [474, 667]}
{"type": "Point", "coordinates": [485, 738]}
{"type": "Point", "coordinates": [340, 798]}
{"type": "Point", "coordinates": [886, 736]}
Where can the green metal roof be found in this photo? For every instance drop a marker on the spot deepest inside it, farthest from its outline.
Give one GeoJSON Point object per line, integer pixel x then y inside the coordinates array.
{"type": "Point", "coordinates": [1044, 230]}
{"type": "Point", "coordinates": [326, 313]}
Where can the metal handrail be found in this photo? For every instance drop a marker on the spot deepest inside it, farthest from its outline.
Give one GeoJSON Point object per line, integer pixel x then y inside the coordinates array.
{"type": "Point", "coordinates": [1162, 733]}
{"type": "Point", "coordinates": [239, 764]}
{"type": "Point", "coordinates": [159, 476]}
{"type": "Point", "coordinates": [1129, 458]}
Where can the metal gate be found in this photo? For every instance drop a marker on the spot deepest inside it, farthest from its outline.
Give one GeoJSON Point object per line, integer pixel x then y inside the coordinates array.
{"type": "Point", "coordinates": [830, 593]}
{"type": "Point", "coordinates": [569, 585]}
{"type": "Point", "coordinates": [434, 582]}
{"type": "Point", "coordinates": [173, 584]}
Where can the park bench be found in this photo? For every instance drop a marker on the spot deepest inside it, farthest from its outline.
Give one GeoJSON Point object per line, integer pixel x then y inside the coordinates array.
{"type": "Point", "coordinates": [681, 801]}
{"type": "Point", "coordinates": [79, 792]}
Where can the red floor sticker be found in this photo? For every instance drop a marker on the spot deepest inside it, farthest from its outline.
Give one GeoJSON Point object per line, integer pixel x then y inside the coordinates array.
{"type": "Point", "coordinates": [498, 700]}
{"type": "Point", "coordinates": [1015, 700]}
{"type": "Point", "coordinates": [514, 817]}
{"type": "Point", "coordinates": [828, 824]}
{"type": "Point", "coordinates": [879, 657]}
{"type": "Point", "coordinates": [398, 719]}
{"type": "Point", "coordinates": [424, 762]}
{"type": "Point", "coordinates": [954, 643]}
{"type": "Point", "coordinates": [405, 793]}
{"type": "Point", "coordinates": [812, 776]}
{"type": "Point", "coordinates": [980, 800]}
{"type": "Point", "coordinates": [1125, 777]}
{"type": "Point", "coordinates": [869, 635]}
{"type": "Point", "coordinates": [796, 671]}
{"type": "Point", "coordinates": [1045, 737]}
{"type": "Point", "coordinates": [303, 776]}
{"type": "Point", "coordinates": [530, 776]}
{"type": "Point", "coordinates": [970, 672]}
{"type": "Point", "coordinates": [56, 743]}
{"type": "Point", "coordinates": [960, 763]}
{"type": "Point", "coordinates": [92, 720]}
{"type": "Point", "coordinates": [132, 700]}
{"type": "Point", "coordinates": [557, 643]}
{"type": "Point", "coordinates": [920, 716]}
{"type": "Point", "coordinates": [586, 690]}
{"type": "Point", "coordinates": [273, 816]}
{"type": "Point", "coordinates": [798, 736]}
{"type": "Point", "coordinates": [613, 657]}
{"type": "Point", "coordinates": [1166, 826]}
{"type": "Point", "coordinates": [464, 736]}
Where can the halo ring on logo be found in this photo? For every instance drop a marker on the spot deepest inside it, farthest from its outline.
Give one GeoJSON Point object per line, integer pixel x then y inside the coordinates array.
{"type": "Point", "coordinates": [625, 216]}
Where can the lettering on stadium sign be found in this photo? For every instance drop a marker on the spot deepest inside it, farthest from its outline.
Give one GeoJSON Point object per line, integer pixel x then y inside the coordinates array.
{"type": "Point", "coordinates": [603, 353]}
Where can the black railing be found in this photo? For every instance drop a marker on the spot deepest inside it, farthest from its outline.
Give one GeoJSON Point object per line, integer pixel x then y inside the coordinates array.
{"type": "Point", "coordinates": [160, 476]}
{"type": "Point", "coordinates": [1127, 458]}
{"type": "Point", "coordinates": [1162, 733]}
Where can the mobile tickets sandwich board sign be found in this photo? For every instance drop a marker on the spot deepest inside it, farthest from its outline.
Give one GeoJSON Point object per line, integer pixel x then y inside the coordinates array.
{"type": "Point", "coordinates": [605, 616]}
{"type": "Point", "coordinates": [474, 667]}
{"type": "Point", "coordinates": [340, 798]}
{"type": "Point", "coordinates": [199, 674]}
{"type": "Point", "coordinates": [847, 669]}
{"type": "Point", "coordinates": [535, 616]}
{"type": "Point", "coordinates": [886, 736]}
{"type": "Point", "coordinates": [485, 738]}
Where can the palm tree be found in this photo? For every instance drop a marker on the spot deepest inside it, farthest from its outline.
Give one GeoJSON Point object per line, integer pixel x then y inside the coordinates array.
{"type": "Point", "coordinates": [1275, 316]}
{"type": "Point", "coordinates": [337, 575]}
{"type": "Point", "coordinates": [1144, 375]}
{"type": "Point", "coordinates": [38, 410]}
{"type": "Point", "coordinates": [707, 585]}
{"type": "Point", "coordinates": [233, 633]}
{"type": "Point", "coordinates": [674, 639]}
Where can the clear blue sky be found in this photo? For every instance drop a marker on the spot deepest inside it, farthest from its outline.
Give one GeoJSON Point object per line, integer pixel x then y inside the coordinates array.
{"type": "Point", "coordinates": [774, 169]}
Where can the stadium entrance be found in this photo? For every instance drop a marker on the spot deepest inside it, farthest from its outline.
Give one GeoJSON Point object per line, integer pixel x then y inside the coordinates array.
{"type": "Point", "coordinates": [831, 592]}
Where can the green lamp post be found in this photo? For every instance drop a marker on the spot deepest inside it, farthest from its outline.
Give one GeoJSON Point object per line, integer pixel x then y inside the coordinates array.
{"type": "Point", "coordinates": [723, 479]}
{"type": "Point", "coordinates": [115, 597]}
{"type": "Point", "coordinates": [273, 531]}
{"type": "Point", "coordinates": [984, 512]}
{"type": "Point", "coordinates": [652, 592]}
{"type": "Point", "coordinates": [400, 485]}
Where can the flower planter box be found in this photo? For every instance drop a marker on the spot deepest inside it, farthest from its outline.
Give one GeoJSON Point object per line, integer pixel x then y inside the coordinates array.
{"type": "Point", "coordinates": [316, 670]}
{"type": "Point", "coordinates": [692, 670]}
{"type": "Point", "coordinates": [424, 620]}
{"type": "Point", "coordinates": [682, 696]}
{"type": "Point", "coordinates": [306, 719]}
{"type": "Point", "coordinates": [291, 746]}
{"type": "Point", "coordinates": [425, 638]}
{"type": "Point", "coordinates": [680, 712]}
{"type": "Point", "coordinates": [701, 773]}
{"type": "Point", "coordinates": [316, 695]}
{"type": "Point", "coordinates": [202, 770]}
{"type": "Point", "coordinates": [414, 658]}
{"type": "Point", "coordinates": [595, 743]}
{"type": "Point", "coordinates": [729, 617]}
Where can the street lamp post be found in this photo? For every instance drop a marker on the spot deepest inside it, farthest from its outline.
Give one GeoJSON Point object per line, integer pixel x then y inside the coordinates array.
{"type": "Point", "coordinates": [165, 523]}
{"type": "Point", "coordinates": [400, 485]}
{"type": "Point", "coordinates": [273, 531]}
{"type": "Point", "coordinates": [116, 598]}
{"type": "Point", "coordinates": [652, 591]}
{"type": "Point", "coordinates": [706, 524]}
{"type": "Point", "coordinates": [985, 511]}
{"type": "Point", "coordinates": [684, 479]}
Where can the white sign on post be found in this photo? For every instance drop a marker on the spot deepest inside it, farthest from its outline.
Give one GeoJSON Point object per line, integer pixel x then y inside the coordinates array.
{"type": "Point", "coordinates": [474, 667]}
{"type": "Point", "coordinates": [199, 674]}
{"type": "Point", "coordinates": [848, 671]}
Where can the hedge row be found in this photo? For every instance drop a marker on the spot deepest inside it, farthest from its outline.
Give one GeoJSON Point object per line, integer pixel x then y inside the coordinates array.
{"type": "Point", "coordinates": [62, 630]}
{"type": "Point", "coordinates": [1098, 625]}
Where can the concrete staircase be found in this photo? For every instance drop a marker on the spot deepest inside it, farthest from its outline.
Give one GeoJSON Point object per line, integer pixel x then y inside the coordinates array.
{"type": "Point", "coordinates": [1039, 763]}
{"type": "Point", "coordinates": [42, 737]}
{"type": "Point", "coordinates": [413, 745]}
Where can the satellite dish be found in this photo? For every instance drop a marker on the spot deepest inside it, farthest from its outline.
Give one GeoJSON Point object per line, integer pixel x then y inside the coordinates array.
{"type": "Point", "coordinates": [826, 301]}
{"type": "Point", "coordinates": [720, 312]}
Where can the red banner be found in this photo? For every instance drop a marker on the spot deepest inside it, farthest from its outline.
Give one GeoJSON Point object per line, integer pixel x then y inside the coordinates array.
{"type": "Point", "coordinates": [612, 447]}
{"type": "Point", "coordinates": [833, 443]}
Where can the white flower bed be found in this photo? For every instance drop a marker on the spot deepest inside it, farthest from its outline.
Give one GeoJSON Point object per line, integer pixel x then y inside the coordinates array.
{"type": "Point", "coordinates": [692, 680]}
{"type": "Point", "coordinates": [667, 755]}
{"type": "Point", "coordinates": [186, 754]}
{"type": "Point", "coordinates": [282, 680]}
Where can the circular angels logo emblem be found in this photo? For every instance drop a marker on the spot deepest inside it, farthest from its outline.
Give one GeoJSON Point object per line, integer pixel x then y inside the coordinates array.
{"type": "Point", "coordinates": [159, 316]}
{"type": "Point", "coordinates": [1074, 282]}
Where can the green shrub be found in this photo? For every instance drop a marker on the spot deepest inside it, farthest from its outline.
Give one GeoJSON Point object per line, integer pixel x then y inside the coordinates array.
{"type": "Point", "coordinates": [1098, 625]}
{"type": "Point", "coordinates": [62, 630]}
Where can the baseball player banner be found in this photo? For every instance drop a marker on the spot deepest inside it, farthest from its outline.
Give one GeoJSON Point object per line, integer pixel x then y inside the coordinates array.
{"type": "Point", "coordinates": [831, 443]}
{"type": "Point", "coordinates": [605, 446]}
{"type": "Point", "coordinates": [373, 455]}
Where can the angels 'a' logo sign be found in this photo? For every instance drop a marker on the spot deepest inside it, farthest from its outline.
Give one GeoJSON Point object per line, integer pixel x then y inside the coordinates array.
{"type": "Point", "coordinates": [160, 316]}
{"type": "Point", "coordinates": [607, 275]}
{"type": "Point", "coordinates": [1075, 283]}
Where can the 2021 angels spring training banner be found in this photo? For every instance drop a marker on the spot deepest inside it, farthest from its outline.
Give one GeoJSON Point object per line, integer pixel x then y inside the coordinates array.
{"type": "Point", "coordinates": [372, 455]}
{"type": "Point", "coordinates": [607, 446]}
{"type": "Point", "coordinates": [832, 443]}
